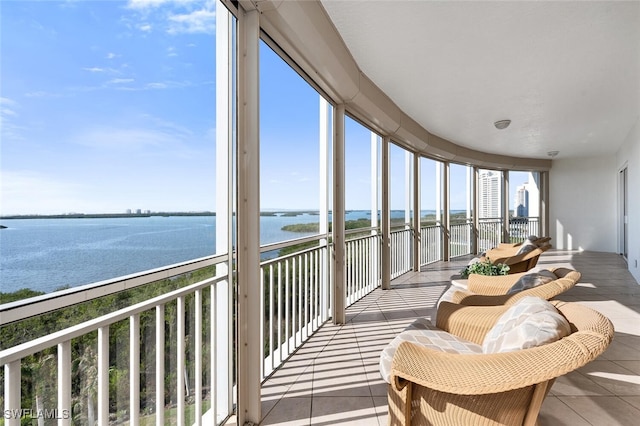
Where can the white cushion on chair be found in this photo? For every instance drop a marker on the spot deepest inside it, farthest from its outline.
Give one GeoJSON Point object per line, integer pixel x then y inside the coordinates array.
{"type": "Point", "coordinates": [423, 333]}
{"type": "Point", "coordinates": [530, 322]}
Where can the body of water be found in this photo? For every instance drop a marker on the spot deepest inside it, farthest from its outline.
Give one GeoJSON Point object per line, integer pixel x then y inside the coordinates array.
{"type": "Point", "coordinates": [48, 254]}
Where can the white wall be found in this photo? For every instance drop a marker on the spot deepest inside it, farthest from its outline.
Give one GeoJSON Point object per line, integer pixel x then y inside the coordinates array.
{"type": "Point", "coordinates": [583, 204]}
{"type": "Point", "coordinates": [629, 156]}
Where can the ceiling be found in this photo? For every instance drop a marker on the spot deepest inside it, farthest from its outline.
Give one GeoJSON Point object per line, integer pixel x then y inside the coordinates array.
{"type": "Point", "coordinates": [567, 74]}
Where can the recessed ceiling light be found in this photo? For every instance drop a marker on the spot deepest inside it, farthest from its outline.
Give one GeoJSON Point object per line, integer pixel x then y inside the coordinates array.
{"type": "Point", "coordinates": [552, 153]}
{"type": "Point", "coordinates": [502, 124]}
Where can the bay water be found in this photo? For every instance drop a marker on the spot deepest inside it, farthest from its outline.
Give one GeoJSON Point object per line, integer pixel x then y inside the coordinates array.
{"type": "Point", "coordinates": [49, 254]}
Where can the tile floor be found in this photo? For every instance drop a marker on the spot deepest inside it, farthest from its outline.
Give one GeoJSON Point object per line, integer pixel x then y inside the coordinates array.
{"type": "Point", "coordinates": [333, 379]}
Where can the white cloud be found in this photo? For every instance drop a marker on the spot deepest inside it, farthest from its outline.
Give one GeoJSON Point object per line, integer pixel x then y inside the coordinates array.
{"type": "Point", "coordinates": [7, 101]}
{"type": "Point", "coordinates": [145, 27]}
{"type": "Point", "coordinates": [199, 21]}
{"type": "Point", "coordinates": [120, 81]}
{"type": "Point", "coordinates": [42, 94]}
{"type": "Point", "coordinates": [144, 4]}
{"type": "Point", "coordinates": [9, 130]}
{"type": "Point", "coordinates": [157, 85]}
{"type": "Point", "coordinates": [94, 69]}
{"type": "Point", "coordinates": [111, 55]}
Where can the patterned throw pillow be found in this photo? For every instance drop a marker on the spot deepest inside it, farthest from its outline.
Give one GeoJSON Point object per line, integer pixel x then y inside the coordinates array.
{"type": "Point", "coordinates": [530, 322]}
{"type": "Point", "coordinates": [532, 280]}
{"type": "Point", "coordinates": [424, 334]}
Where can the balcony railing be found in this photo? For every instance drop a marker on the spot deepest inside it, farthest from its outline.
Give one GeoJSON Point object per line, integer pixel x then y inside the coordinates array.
{"type": "Point", "coordinates": [296, 300]}
{"type": "Point", "coordinates": [363, 266]}
{"type": "Point", "coordinates": [401, 243]}
{"type": "Point", "coordinates": [521, 227]}
{"type": "Point", "coordinates": [460, 237]}
{"type": "Point", "coordinates": [489, 233]}
{"type": "Point", "coordinates": [176, 342]}
{"type": "Point", "coordinates": [430, 244]}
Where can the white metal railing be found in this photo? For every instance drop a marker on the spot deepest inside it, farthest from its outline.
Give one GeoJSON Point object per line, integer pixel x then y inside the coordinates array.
{"type": "Point", "coordinates": [21, 309]}
{"type": "Point", "coordinates": [401, 243]}
{"type": "Point", "coordinates": [182, 311]}
{"type": "Point", "coordinates": [430, 244]}
{"type": "Point", "coordinates": [521, 227]}
{"type": "Point", "coordinates": [460, 237]}
{"type": "Point", "coordinates": [295, 302]}
{"type": "Point", "coordinates": [489, 233]}
{"type": "Point", "coordinates": [363, 267]}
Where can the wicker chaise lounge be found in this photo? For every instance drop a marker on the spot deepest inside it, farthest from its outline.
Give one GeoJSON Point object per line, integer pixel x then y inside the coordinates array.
{"type": "Point", "coordinates": [503, 289]}
{"type": "Point", "coordinates": [430, 387]}
{"type": "Point", "coordinates": [519, 257]}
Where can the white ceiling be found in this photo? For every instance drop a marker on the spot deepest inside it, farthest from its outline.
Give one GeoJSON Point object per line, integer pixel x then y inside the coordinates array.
{"type": "Point", "coordinates": [566, 73]}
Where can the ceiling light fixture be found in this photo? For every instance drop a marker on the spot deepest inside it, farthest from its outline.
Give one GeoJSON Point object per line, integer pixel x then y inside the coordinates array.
{"type": "Point", "coordinates": [552, 154]}
{"type": "Point", "coordinates": [502, 124]}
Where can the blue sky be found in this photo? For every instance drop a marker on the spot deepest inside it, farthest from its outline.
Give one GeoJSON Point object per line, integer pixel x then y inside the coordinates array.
{"type": "Point", "coordinates": [107, 106]}
{"type": "Point", "coordinates": [110, 105]}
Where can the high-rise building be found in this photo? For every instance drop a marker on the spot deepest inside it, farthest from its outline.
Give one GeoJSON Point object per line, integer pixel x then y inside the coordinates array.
{"type": "Point", "coordinates": [489, 197]}
{"type": "Point", "coordinates": [521, 202]}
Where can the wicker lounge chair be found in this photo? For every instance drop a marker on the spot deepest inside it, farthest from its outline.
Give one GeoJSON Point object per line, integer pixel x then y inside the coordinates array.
{"type": "Point", "coordinates": [429, 387]}
{"type": "Point", "coordinates": [503, 289]}
{"type": "Point", "coordinates": [518, 259]}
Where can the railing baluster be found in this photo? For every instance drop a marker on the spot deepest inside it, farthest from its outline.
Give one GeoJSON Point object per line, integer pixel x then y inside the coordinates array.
{"type": "Point", "coordinates": [134, 369]}
{"type": "Point", "coordinates": [306, 295]}
{"type": "Point", "coordinates": [64, 383]}
{"type": "Point", "coordinates": [213, 386]}
{"type": "Point", "coordinates": [12, 392]}
{"type": "Point", "coordinates": [198, 357]}
{"type": "Point", "coordinates": [103, 375]}
{"type": "Point", "coordinates": [269, 318]}
{"type": "Point", "coordinates": [287, 317]}
{"type": "Point", "coordinates": [279, 324]}
{"type": "Point", "coordinates": [181, 348]}
{"type": "Point", "coordinates": [159, 365]}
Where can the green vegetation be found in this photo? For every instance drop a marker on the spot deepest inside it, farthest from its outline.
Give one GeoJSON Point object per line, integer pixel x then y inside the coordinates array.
{"type": "Point", "coordinates": [485, 267]}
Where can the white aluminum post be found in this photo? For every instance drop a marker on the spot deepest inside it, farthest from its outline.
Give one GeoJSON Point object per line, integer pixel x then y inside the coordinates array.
{"type": "Point", "coordinates": [406, 246]}
{"type": "Point", "coordinates": [469, 203]}
{"type": "Point", "coordinates": [159, 365]}
{"type": "Point", "coordinates": [439, 209]}
{"type": "Point", "coordinates": [417, 229]}
{"type": "Point", "coordinates": [248, 221]}
{"type": "Point", "coordinates": [375, 248]}
{"type": "Point", "coordinates": [505, 207]}
{"type": "Point", "coordinates": [446, 227]}
{"type": "Point", "coordinates": [64, 383]}
{"type": "Point", "coordinates": [198, 357]}
{"type": "Point", "coordinates": [339, 271]}
{"type": "Point", "coordinates": [324, 144]}
{"type": "Point", "coordinates": [386, 220]}
{"type": "Point", "coordinates": [12, 392]}
{"type": "Point", "coordinates": [407, 189]}
{"type": "Point", "coordinates": [134, 369]}
{"type": "Point", "coordinates": [544, 203]}
{"type": "Point", "coordinates": [103, 375]}
{"type": "Point", "coordinates": [180, 361]}
{"type": "Point", "coordinates": [221, 345]}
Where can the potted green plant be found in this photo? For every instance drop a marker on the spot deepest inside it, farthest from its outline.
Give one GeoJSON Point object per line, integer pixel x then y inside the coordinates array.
{"type": "Point", "coordinates": [485, 267]}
